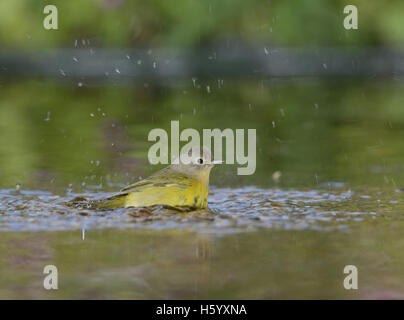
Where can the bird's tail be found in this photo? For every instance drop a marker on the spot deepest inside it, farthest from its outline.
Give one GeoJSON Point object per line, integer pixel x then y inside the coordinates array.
{"type": "Point", "coordinates": [117, 201]}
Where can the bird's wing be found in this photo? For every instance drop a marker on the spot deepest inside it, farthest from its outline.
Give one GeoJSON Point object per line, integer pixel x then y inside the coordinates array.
{"type": "Point", "coordinates": [160, 179]}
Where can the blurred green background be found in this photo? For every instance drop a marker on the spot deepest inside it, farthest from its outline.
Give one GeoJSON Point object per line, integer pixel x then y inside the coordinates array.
{"type": "Point", "coordinates": [121, 23]}
{"type": "Point", "coordinates": [314, 131]}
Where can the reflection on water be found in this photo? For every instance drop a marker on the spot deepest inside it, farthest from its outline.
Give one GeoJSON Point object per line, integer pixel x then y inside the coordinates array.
{"type": "Point", "coordinates": [163, 264]}
{"type": "Point", "coordinates": [326, 193]}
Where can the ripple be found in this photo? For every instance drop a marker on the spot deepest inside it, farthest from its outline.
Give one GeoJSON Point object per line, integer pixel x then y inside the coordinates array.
{"type": "Point", "coordinates": [230, 210]}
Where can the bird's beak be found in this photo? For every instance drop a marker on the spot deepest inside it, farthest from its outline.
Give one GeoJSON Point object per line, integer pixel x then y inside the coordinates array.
{"type": "Point", "coordinates": [217, 161]}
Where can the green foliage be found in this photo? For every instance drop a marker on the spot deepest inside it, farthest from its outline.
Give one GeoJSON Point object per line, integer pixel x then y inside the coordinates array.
{"type": "Point", "coordinates": [143, 23]}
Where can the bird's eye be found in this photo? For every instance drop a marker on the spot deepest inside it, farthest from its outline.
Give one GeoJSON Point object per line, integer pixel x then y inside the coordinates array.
{"type": "Point", "coordinates": [199, 161]}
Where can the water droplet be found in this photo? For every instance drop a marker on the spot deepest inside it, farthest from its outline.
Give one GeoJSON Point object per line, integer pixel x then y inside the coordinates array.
{"type": "Point", "coordinates": [276, 176]}
{"type": "Point", "coordinates": [70, 188]}
{"type": "Point", "coordinates": [47, 116]}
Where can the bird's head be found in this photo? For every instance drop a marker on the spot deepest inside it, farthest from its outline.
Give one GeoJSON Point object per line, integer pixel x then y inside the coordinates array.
{"type": "Point", "coordinates": [196, 163]}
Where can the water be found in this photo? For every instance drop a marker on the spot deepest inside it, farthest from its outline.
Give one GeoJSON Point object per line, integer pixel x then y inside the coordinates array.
{"type": "Point", "coordinates": [229, 211]}
{"type": "Point", "coordinates": [327, 192]}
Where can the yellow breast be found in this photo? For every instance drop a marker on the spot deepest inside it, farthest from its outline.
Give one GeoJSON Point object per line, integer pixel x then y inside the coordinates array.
{"type": "Point", "coordinates": [193, 194]}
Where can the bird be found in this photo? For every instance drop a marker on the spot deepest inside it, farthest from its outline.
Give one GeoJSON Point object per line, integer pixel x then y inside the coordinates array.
{"type": "Point", "coordinates": [183, 184]}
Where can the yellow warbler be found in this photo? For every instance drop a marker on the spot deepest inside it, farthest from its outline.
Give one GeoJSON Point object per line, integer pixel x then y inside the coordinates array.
{"type": "Point", "coordinates": [185, 184]}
